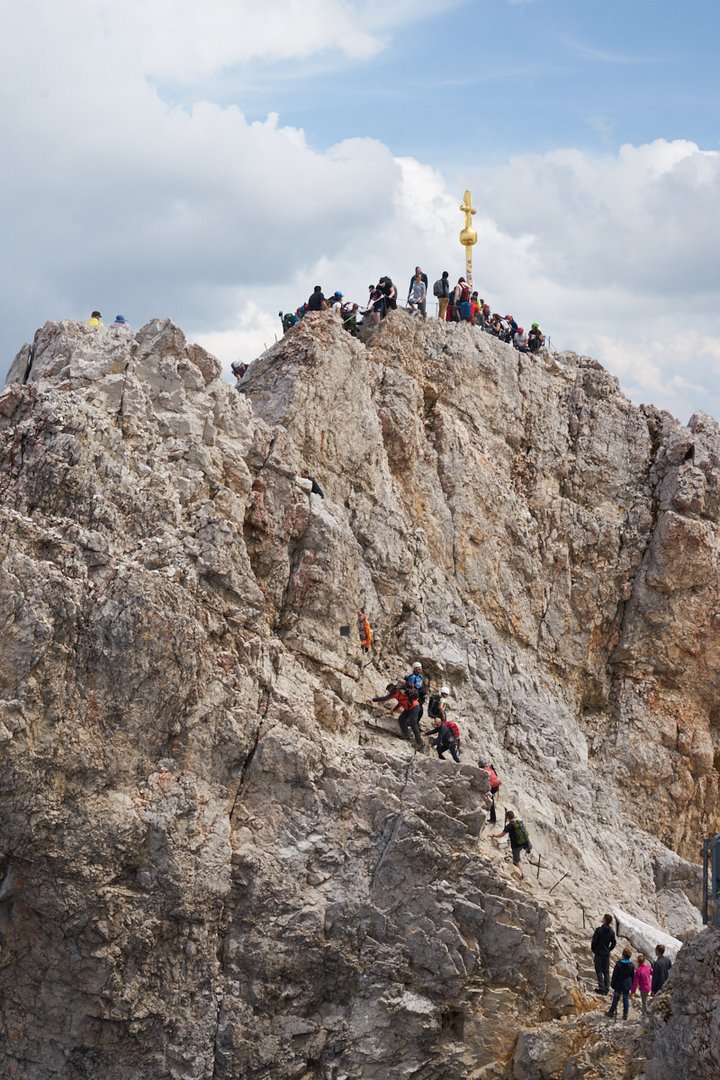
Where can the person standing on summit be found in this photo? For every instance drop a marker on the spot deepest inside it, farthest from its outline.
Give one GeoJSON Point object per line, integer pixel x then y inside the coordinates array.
{"type": "Point", "coordinates": [317, 301]}
{"type": "Point", "coordinates": [441, 289]}
{"type": "Point", "coordinates": [603, 943]}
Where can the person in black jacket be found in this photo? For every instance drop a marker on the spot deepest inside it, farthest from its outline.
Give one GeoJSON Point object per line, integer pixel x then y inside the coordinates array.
{"type": "Point", "coordinates": [661, 969]}
{"type": "Point", "coordinates": [603, 943]}
{"type": "Point", "coordinates": [621, 982]}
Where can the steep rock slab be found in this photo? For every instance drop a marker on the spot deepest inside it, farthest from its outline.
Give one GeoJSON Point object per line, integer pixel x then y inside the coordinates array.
{"type": "Point", "coordinates": [213, 865]}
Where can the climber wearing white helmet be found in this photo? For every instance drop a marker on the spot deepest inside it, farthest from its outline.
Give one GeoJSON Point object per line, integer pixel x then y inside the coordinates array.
{"type": "Point", "coordinates": [416, 681]}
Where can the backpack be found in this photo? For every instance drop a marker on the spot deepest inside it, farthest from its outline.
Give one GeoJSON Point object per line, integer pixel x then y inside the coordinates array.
{"type": "Point", "coordinates": [434, 706]}
{"type": "Point", "coordinates": [518, 834]}
{"type": "Point", "coordinates": [455, 730]}
{"type": "Point", "coordinates": [441, 287]}
{"type": "Point", "coordinates": [465, 294]}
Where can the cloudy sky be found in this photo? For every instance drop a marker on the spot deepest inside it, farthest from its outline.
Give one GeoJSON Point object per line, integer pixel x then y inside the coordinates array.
{"type": "Point", "coordinates": [213, 162]}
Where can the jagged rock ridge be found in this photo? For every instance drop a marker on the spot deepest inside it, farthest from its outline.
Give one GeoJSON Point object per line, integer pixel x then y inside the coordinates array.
{"type": "Point", "coordinates": [218, 861]}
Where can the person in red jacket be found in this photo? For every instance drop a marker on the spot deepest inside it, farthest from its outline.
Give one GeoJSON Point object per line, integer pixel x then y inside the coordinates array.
{"type": "Point", "coordinates": [494, 788]}
{"type": "Point", "coordinates": [407, 700]}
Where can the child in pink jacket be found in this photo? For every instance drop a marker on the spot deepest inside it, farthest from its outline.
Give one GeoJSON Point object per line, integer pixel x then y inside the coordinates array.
{"type": "Point", "coordinates": [642, 980]}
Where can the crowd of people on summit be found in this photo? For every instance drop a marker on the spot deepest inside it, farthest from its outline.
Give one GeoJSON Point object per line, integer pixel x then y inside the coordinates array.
{"type": "Point", "coordinates": [456, 303]}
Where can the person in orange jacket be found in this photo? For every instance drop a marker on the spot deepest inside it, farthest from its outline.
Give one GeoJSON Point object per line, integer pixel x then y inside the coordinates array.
{"type": "Point", "coordinates": [364, 632]}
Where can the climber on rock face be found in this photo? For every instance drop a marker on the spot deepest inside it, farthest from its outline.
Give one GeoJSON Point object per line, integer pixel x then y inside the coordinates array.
{"type": "Point", "coordinates": [447, 731]}
{"type": "Point", "coordinates": [407, 700]}
{"type": "Point", "coordinates": [494, 788]}
{"type": "Point", "coordinates": [364, 632]}
{"type": "Point", "coordinates": [518, 837]}
{"type": "Point", "coordinates": [603, 943]}
{"type": "Point", "coordinates": [416, 677]}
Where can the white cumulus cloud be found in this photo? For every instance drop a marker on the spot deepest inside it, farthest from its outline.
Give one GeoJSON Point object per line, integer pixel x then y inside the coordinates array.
{"type": "Point", "coordinates": [115, 197]}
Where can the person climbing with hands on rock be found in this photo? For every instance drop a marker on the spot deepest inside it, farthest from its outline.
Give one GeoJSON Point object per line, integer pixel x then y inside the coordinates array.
{"type": "Point", "coordinates": [519, 840]}
{"type": "Point", "coordinates": [447, 731]}
{"type": "Point", "coordinates": [365, 633]}
{"type": "Point", "coordinates": [494, 788]}
{"type": "Point", "coordinates": [407, 700]}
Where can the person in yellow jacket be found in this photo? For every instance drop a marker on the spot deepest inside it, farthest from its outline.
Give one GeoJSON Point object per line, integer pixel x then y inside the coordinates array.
{"type": "Point", "coordinates": [95, 319]}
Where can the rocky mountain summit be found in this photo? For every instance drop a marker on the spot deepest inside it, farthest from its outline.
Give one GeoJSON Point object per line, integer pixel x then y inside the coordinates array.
{"type": "Point", "coordinates": [217, 860]}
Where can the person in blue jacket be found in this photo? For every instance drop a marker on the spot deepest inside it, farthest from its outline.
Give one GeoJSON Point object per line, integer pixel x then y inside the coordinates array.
{"type": "Point", "coordinates": [621, 983]}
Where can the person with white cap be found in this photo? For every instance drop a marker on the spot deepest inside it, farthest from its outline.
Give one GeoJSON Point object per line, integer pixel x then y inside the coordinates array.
{"type": "Point", "coordinates": [416, 681]}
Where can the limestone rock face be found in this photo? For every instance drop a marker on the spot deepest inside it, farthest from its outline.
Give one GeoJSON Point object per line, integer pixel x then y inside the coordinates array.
{"type": "Point", "coordinates": [218, 860]}
{"type": "Point", "coordinates": [685, 1038]}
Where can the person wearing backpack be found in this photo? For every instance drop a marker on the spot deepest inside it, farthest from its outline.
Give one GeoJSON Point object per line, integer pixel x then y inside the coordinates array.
{"type": "Point", "coordinates": [462, 300]}
{"type": "Point", "coordinates": [441, 289]}
{"type": "Point", "coordinates": [517, 834]}
{"type": "Point", "coordinates": [447, 731]}
{"type": "Point", "coordinates": [417, 680]}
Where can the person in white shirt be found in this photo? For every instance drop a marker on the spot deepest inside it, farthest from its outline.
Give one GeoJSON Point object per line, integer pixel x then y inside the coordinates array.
{"type": "Point", "coordinates": [520, 341]}
{"type": "Point", "coordinates": [417, 297]}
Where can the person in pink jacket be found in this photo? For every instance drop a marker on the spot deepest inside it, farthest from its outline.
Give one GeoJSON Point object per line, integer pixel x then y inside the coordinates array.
{"type": "Point", "coordinates": [642, 980]}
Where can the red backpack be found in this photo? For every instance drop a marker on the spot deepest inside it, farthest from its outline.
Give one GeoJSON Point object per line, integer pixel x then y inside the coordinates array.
{"type": "Point", "coordinates": [455, 730]}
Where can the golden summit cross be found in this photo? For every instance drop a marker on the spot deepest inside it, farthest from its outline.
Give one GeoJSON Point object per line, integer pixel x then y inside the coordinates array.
{"type": "Point", "coordinates": [468, 236]}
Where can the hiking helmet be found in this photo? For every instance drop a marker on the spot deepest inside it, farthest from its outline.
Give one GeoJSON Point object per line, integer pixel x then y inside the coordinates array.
{"type": "Point", "coordinates": [120, 318]}
{"type": "Point", "coordinates": [338, 294]}
{"type": "Point", "coordinates": [417, 666]}
{"type": "Point", "coordinates": [444, 689]}
{"type": "Point", "coordinates": [536, 326]}
{"type": "Point", "coordinates": [96, 315]}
